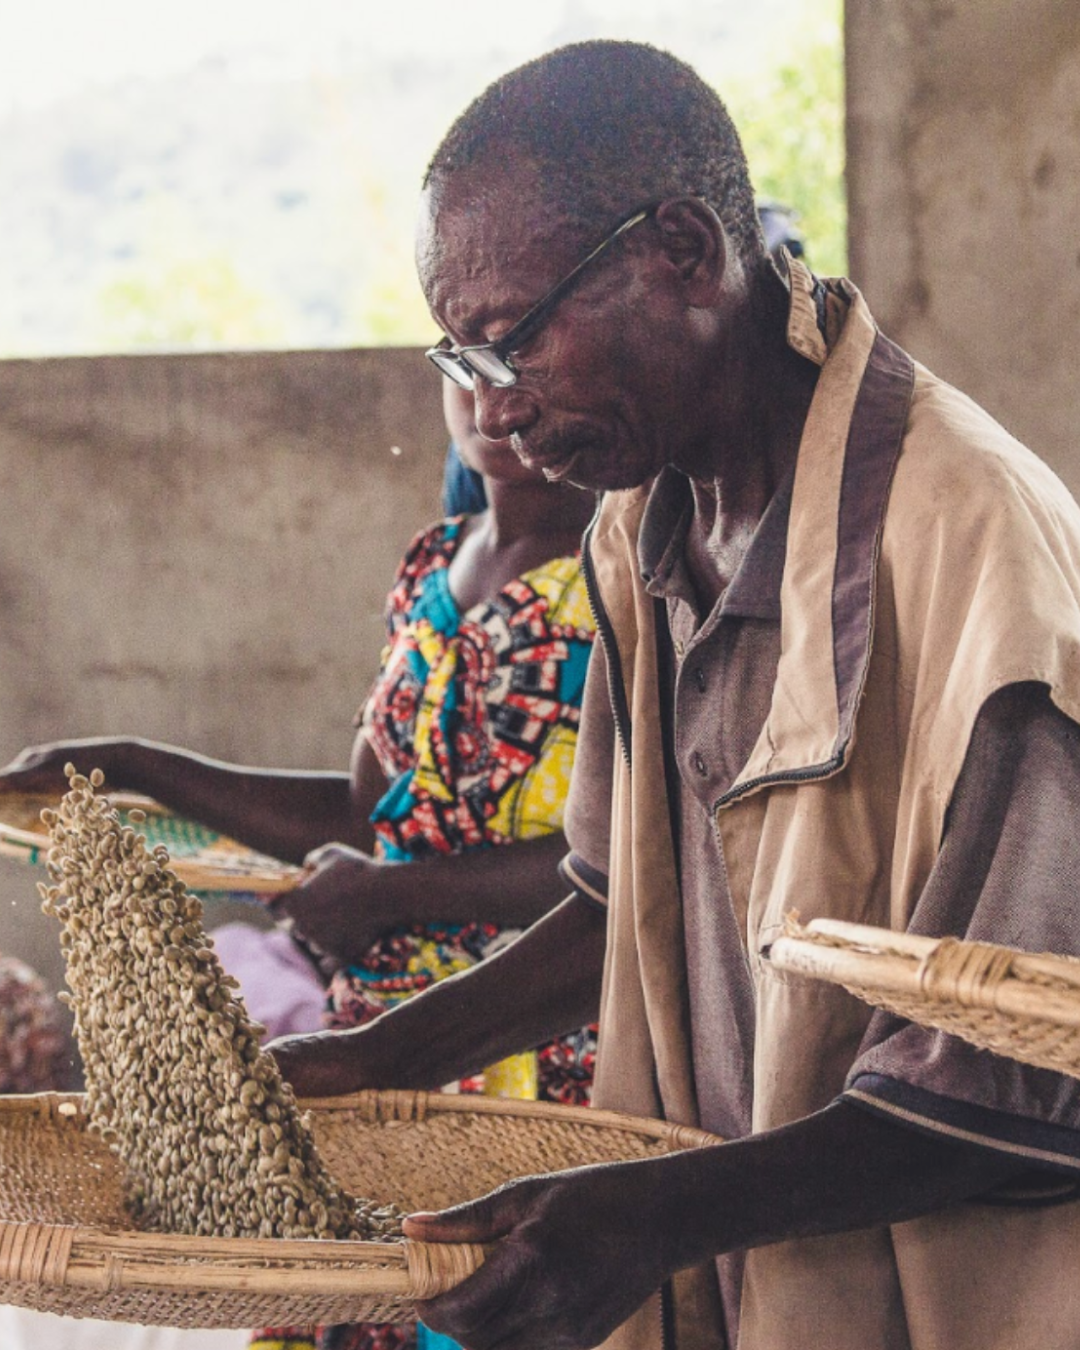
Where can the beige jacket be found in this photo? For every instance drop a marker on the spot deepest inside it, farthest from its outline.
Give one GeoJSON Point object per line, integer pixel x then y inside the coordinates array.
{"type": "Point", "coordinates": [931, 560]}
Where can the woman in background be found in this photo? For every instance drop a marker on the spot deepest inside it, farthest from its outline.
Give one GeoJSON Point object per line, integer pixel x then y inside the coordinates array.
{"type": "Point", "coordinates": [464, 746]}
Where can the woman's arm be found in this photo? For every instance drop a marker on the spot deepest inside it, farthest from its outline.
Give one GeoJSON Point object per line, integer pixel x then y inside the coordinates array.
{"type": "Point", "coordinates": [351, 899]}
{"type": "Point", "coordinates": [281, 812]}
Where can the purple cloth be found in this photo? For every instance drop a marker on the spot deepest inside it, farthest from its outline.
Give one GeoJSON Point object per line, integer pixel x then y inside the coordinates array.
{"type": "Point", "coordinates": [279, 985]}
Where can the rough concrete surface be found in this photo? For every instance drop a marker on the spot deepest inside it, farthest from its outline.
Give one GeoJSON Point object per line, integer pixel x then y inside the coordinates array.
{"type": "Point", "coordinates": [964, 191]}
{"type": "Point", "coordinates": [197, 549]}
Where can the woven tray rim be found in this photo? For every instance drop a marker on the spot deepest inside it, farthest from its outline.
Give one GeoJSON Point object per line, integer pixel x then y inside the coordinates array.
{"type": "Point", "coordinates": [103, 1259]}
{"type": "Point", "coordinates": [223, 869]}
{"type": "Point", "coordinates": [1031, 989]}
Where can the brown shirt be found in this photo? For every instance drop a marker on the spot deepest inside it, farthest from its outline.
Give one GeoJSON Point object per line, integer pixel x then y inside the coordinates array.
{"type": "Point", "coordinates": [1006, 867]}
{"type": "Point", "coordinates": [932, 565]}
{"type": "Point", "coordinates": [718, 671]}
{"type": "Point", "coordinates": [1006, 871]}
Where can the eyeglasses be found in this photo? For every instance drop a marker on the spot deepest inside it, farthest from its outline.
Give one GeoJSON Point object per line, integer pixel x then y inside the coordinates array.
{"type": "Point", "coordinates": [491, 360]}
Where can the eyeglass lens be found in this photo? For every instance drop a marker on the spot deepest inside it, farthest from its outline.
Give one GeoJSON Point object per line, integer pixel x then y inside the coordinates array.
{"type": "Point", "coordinates": [453, 367]}
{"type": "Point", "coordinates": [462, 367]}
{"type": "Point", "coordinates": [491, 366]}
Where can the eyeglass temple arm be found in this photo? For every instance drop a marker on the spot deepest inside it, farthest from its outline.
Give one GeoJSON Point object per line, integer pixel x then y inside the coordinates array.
{"type": "Point", "coordinates": [520, 329]}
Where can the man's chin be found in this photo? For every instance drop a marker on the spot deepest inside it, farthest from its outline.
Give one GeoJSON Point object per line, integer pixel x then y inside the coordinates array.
{"type": "Point", "coordinates": [583, 466]}
{"type": "Point", "coordinates": [555, 471]}
{"type": "Point", "coordinates": [604, 477]}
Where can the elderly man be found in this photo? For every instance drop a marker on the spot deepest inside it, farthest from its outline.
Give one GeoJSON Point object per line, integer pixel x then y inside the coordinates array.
{"type": "Point", "coordinates": [840, 673]}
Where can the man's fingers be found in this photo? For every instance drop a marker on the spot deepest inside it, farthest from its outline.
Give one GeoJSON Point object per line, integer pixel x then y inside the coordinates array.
{"type": "Point", "coordinates": [483, 1220]}
{"type": "Point", "coordinates": [447, 1226]}
{"type": "Point", "coordinates": [480, 1312]}
{"type": "Point", "coordinates": [486, 1310]}
{"type": "Point", "coordinates": [302, 1064]}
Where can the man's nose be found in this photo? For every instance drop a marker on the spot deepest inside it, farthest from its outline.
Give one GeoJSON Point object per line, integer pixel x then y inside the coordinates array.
{"type": "Point", "coordinates": [501, 412]}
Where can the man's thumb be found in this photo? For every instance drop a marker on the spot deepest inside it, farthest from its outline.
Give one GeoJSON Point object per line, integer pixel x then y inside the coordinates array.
{"type": "Point", "coordinates": [483, 1220]}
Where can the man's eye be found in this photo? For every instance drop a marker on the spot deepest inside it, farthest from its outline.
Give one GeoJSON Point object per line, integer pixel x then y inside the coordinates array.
{"type": "Point", "coordinates": [527, 347]}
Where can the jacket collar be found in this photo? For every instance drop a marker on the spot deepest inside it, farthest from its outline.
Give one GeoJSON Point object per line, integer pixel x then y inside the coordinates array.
{"type": "Point", "coordinates": [847, 454]}
{"type": "Point", "coordinates": [843, 474]}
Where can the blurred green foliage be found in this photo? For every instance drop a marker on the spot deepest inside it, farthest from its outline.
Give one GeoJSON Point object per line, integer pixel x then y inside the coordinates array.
{"type": "Point", "coordinates": [182, 291]}
{"type": "Point", "coordinates": [191, 303]}
{"type": "Point", "coordinates": [791, 118]}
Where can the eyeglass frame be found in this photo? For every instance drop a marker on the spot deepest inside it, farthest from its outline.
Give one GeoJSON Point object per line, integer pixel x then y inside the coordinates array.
{"type": "Point", "coordinates": [454, 362]}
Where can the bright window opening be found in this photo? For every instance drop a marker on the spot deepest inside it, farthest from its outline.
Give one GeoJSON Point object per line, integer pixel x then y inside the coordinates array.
{"type": "Point", "coordinates": [245, 174]}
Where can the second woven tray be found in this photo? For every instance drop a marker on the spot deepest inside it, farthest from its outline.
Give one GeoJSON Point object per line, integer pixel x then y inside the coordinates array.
{"type": "Point", "coordinates": [203, 859]}
{"type": "Point", "coordinates": [67, 1244]}
{"type": "Point", "coordinates": [1019, 1004]}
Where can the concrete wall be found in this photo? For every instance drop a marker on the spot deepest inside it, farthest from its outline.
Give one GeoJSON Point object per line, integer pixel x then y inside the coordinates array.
{"type": "Point", "coordinates": [197, 549]}
{"type": "Point", "coordinates": [964, 191]}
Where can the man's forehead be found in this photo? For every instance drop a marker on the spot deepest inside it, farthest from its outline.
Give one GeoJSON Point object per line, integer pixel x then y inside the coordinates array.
{"type": "Point", "coordinates": [495, 235]}
{"type": "Point", "coordinates": [510, 207]}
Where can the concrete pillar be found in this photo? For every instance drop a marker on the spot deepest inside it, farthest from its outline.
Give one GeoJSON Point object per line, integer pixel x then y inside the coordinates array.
{"type": "Point", "coordinates": [964, 197]}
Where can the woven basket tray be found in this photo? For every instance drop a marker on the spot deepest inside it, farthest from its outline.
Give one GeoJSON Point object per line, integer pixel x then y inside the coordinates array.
{"type": "Point", "coordinates": [1017, 1004]}
{"type": "Point", "coordinates": [67, 1245]}
{"type": "Point", "coordinates": [201, 858]}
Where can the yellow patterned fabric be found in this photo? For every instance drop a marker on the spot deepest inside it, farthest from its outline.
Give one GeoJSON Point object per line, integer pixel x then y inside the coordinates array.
{"type": "Point", "coordinates": [474, 715]}
{"type": "Point", "coordinates": [474, 719]}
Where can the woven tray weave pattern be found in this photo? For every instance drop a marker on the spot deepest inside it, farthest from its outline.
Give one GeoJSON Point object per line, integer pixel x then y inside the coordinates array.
{"type": "Point", "coordinates": [67, 1245]}
{"type": "Point", "coordinates": [1022, 1005]}
{"type": "Point", "coordinates": [203, 859]}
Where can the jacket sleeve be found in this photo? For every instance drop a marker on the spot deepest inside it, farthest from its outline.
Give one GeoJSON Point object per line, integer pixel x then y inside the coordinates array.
{"type": "Point", "coordinates": [1008, 872]}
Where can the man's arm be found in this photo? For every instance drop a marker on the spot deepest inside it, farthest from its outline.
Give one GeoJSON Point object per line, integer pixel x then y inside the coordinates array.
{"type": "Point", "coordinates": [1009, 855]}
{"type": "Point", "coordinates": [577, 1252]}
{"type": "Point", "coordinates": [539, 987]}
{"type": "Point", "coordinates": [1006, 874]}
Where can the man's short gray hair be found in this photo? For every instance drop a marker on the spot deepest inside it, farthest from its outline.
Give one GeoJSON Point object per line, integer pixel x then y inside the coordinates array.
{"type": "Point", "coordinates": [613, 125]}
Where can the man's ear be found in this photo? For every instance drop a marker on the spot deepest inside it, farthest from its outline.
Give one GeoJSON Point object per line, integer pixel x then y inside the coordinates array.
{"type": "Point", "coordinates": [696, 245]}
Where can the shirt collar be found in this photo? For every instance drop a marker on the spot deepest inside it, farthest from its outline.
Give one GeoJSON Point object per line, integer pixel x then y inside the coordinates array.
{"type": "Point", "coordinates": [817, 310]}
{"type": "Point", "coordinates": [818, 307]}
{"type": "Point", "coordinates": [754, 592]}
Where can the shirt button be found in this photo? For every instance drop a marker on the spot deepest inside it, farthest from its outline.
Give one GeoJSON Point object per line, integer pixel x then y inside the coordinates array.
{"type": "Point", "coordinates": [699, 763]}
{"type": "Point", "coordinates": [699, 679]}
{"type": "Point", "coordinates": [679, 648]}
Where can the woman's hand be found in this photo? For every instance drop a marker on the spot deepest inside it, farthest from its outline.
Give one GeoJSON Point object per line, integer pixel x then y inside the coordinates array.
{"type": "Point", "coordinates": [40, 768]}
{"type": "Point", "coordinates": [344, 903]}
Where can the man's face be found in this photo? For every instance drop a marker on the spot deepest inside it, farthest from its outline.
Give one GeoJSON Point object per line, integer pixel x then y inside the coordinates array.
{"type": "Point", "coordinates": [494, 459]}
{"type": "Point", "coordinates": [600, 390]}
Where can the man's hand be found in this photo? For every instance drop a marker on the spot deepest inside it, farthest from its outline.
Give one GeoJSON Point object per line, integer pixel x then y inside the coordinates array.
{"type": "Point", "coordinates": [575, 1253]}
{"type": "Point", "coordinates": [545, 983]}
{"type": "Point", "coordinates": [325, 1063]}
{"type": "Point", "coordinates": [342, 906]}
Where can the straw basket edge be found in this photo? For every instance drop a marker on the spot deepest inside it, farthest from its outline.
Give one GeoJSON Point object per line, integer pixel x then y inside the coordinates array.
{"type": "Point", "coordinates": [106, 1270]}
{"type": "Point", "coordinates": [1021, 1005]}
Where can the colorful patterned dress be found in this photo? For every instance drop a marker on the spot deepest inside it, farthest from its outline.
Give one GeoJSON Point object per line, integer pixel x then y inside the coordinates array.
{"type": "Point", "coordinates": [474, 720]}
